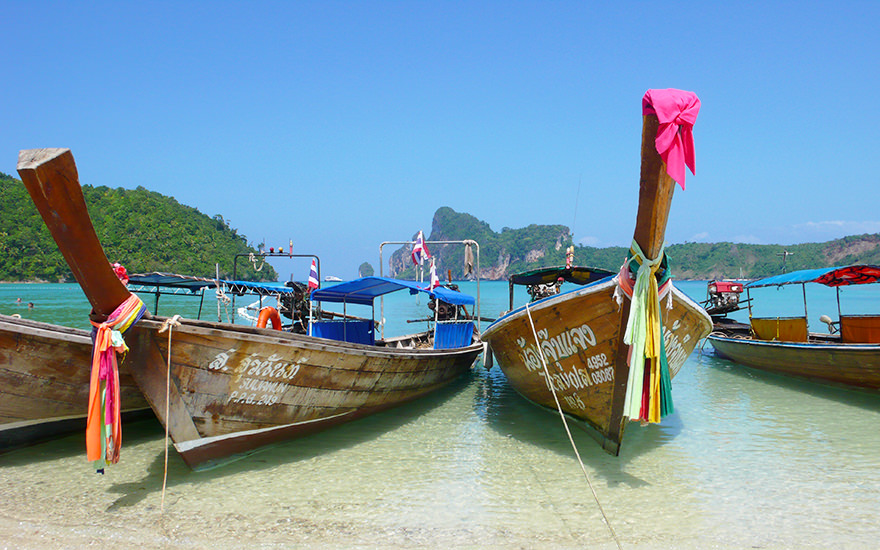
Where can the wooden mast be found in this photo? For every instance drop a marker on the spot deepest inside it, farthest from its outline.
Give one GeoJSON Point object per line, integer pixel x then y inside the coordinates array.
{"type": "Point", "coordinates": [656, 188]}
{"type": "Point", "coordinates": [655, 193]}
{"type": "Point", "coordinates": [51, 178]}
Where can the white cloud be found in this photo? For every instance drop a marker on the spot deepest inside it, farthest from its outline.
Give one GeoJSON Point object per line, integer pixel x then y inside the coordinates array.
{"type": "Point", "coordinates": [747, 239]}
{"type": "Point", "coordinates": [840, 228]}
{"type": "Point", "coordinates": [704, 236]}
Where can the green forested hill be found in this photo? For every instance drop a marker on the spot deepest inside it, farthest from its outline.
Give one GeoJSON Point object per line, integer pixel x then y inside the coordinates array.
{"type": "Point", "coordinates": [143, 230]}
{"type": "Point", "coordinates": [146, 231]}
{"type": "Point", "coordinates": [516, 250]}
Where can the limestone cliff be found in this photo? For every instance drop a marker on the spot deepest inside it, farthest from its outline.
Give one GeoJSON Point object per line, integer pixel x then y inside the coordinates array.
{"type": "Point", "coordinates": [515, 250]}
{"type": "Point", "coordinates": [500, 254]}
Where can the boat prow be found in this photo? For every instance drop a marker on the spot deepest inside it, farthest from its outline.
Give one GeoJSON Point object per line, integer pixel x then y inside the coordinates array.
{"type": "Point", "coordinates": [223, 390]}
{"type": "Point", "coordinates": [571, 352]}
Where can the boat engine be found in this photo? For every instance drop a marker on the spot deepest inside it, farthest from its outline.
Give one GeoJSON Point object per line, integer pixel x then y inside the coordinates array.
{"type": "Point", "coordinates": [543, 290]}
{"type": "Point", "coordinates": [445, 311]}
{"type": "Point", "coordinates": [295, 306]}
{"type": "Point", "coordinates": [723, 296]}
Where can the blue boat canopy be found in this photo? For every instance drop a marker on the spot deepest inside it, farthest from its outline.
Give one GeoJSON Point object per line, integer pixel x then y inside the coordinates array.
{"type": "Point", "coordinates": [195, 284]}
{"type": "Point", "coordinates": [828, 276]}
{"type": "Point", "coordinates": [364, 290]}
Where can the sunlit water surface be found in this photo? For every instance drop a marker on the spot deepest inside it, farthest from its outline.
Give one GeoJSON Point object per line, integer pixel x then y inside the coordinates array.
{"type": "Point", "coordinates": [748, 460]}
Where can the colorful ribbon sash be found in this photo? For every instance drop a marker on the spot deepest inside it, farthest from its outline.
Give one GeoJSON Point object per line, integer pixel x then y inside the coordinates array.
{"type": "Point", "coordinates": [649, 385]}
{"type": "Point", "coordinates": [104, 426]}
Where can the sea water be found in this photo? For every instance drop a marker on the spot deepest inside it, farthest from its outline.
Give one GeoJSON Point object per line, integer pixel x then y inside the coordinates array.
{"type": "Point", "coordinates": [748, 460]}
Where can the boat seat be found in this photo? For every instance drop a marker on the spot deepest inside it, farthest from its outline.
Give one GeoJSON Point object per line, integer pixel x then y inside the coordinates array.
{"type": "Point", "coordinates": [354, 331]}
{"type": "Point", "coordinates": [782, 329]}
{"type": "Point", "coordinates": [453, 334]}
{"type": "Point", "coordinates": [860, 329]}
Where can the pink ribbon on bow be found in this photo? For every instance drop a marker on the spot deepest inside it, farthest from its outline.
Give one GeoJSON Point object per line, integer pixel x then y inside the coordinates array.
{"type": "Point", "coordinates": [677, 111]}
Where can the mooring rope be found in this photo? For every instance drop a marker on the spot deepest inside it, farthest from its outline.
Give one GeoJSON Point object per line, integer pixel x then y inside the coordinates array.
{"type": "Point", "coordinates": [254, 261]}
{"type": "Point", "coordinates": [567, 430]}
{"type": "Point", "coordinates": [226, 300]}
{"type": "Point", "coordinates": [168, 325]}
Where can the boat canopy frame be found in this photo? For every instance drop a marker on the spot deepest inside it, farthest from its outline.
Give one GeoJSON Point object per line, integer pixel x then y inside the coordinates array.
{"type": "Point", "coordinates": [833, 277]}
{"type": "Point", "coordinates": [160, 283]}
{"type": "Point", "coordinates": [365, 290]}
{"type": "Point", "coordinates": [579, 275]}
{"type": "Point", "coordinates": [252, 257]}
{"type": "Point", "coordinates": [466, 243]}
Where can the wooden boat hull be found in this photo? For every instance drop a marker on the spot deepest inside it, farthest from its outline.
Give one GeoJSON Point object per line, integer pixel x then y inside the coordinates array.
{"type": "Point", "coordinates": [44, 382]}
{"type": "Point", "coordinates": [853, 365]}
{"type": "Point", "coordinates": [580, 337]}
{"type": "Point", "coordinates": [233, 389]}
{"type": "Point", "coordinates": [230, 388]}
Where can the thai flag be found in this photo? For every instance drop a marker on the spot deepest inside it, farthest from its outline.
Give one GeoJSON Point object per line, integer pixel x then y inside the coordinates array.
{"type": "Point", "coordinates": [435, 282]}
{"type": "Point", "coordinates": [420, 251]}
{"type": "Point", "coordinates": [313, 276]}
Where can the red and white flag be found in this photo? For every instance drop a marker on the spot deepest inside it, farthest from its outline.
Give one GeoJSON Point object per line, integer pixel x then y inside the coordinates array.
{"type": "Point", "coordinates": [435, 282]}
{"type": "Point", "coordinates": [313, 276]}
{"type": "Point", "coordinates": [420, 250]}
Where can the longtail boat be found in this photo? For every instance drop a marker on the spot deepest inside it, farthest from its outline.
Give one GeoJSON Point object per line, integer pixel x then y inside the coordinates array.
{"type": "Point", "coordinates": [587, 352]}
{"type": "Point", "coordinates": [846, 354]}
{"type": "Point", "coordinates": [233, 388]}
{"type": "Point", "coordinates": [44, 382]}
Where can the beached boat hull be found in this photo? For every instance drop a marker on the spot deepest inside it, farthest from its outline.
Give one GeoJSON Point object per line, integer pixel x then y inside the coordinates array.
{"type": "Point", "coordinates": [854, 365]}
{"type": "Point", "coordinates": [579, 335]}
{"type": "Point", "coordinates": [233, 389]}
{"type": "Point", "coordinates": [44, 382]}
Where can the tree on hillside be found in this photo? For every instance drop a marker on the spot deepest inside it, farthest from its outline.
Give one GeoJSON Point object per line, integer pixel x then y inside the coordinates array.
{"type": "Point", "coordinates": [143, 230]}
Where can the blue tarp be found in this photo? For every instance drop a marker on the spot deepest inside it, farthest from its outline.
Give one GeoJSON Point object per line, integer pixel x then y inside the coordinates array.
{"type": "Point", "coordinates": [453, 334]}
{"type": "Point", "coordinates": [170, 280]}
{"type": "Point", "coordinates": [355, 331]}
{"type": "Point", "coordinates": [829, 276]}
{"type": "Point", "coordinates": [364, 290]}
{"type": "Point", "coordinates": [795, 277]}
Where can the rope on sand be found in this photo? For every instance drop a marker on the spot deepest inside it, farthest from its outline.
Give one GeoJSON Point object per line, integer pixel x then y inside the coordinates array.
{"type": "Point", "coordinates": [168, 325]}
{"type": "Point", "coordinates": [565, 423]}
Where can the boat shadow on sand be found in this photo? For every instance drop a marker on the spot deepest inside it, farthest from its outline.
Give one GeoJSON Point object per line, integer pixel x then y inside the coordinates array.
{"type": "Point", "coordinates": [150, 433]}
{"type": "Point", "coordinates": [511, 415]}
{"type": "Point", "coordinates": [269, 457]}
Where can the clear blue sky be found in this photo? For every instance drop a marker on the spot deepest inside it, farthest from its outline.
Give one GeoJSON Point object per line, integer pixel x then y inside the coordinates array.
{"type": "Point", "coordinates": [344, 124]}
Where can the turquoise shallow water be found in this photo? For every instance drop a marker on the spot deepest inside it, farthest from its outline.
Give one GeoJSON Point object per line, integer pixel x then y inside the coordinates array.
{"type": "Point", "coordinates": [748, 460]}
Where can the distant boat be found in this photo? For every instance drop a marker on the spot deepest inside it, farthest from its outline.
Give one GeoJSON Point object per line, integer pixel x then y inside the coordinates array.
{"type": "Point", "coordinates": [848, 354]}
{"type": "Point", "coordinates": [234, 388]}
{"type": "Point", "coordinates": [332, 279]}
{"type": "Point", "coordinates": [565, 350]}
{"type": "Point", "coordinates": [44, 382]}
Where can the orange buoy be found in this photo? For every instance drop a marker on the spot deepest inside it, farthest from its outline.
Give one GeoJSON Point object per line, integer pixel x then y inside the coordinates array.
{"type": "Point", "coordinates": [269, 313]}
